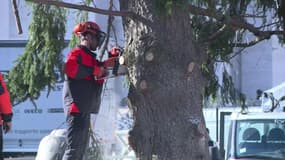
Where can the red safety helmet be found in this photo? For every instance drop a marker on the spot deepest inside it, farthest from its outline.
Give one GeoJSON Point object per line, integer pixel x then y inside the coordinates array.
{"type": "Point", "coordinates": [90, 27]}
{"type": "Point", "coordinates": [87, 26]}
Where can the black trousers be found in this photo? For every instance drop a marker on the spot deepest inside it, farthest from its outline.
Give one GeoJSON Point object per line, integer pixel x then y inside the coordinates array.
{"type": "Point", "coordinates": [77, 136]}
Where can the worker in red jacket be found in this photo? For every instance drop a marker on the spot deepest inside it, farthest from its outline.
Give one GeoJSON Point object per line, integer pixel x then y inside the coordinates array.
{"type": "Point", "coordinates": [82, 89]}
{"type": "Point", "coordinates": [5, 113]}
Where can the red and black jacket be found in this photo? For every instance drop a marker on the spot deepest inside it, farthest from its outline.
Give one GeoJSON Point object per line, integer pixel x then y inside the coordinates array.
{"type": "Point", "coordinates": [5, 102]}
{"type": "Point", "coordinates": [81, 92]}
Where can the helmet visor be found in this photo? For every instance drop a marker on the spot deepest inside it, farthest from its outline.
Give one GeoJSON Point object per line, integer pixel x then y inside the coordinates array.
{"type": "Point", "coordinates": [101, 38]}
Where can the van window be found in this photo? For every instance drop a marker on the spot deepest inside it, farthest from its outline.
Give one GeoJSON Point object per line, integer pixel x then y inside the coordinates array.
{"type": "Point", "coordinates": [260, 138]}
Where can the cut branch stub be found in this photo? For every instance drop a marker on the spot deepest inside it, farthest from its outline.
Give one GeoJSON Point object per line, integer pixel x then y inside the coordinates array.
{"type": "Point", "coordinates": [143, 85]}
{"type": "Point", "coordinates": [149, 56]}
{"type": "Point", "coordinates": [191, 67]}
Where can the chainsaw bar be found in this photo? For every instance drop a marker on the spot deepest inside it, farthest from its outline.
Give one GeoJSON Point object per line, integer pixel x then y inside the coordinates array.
{"type": "Point", "coordinates": [122, 70]}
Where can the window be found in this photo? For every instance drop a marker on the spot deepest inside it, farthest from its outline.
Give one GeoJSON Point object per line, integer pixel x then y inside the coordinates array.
{"type": "Point", "coordinates": [260, 137]}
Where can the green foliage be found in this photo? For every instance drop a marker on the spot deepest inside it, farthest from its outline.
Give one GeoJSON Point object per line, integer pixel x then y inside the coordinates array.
{"type": "Point", "coordinates": [281, 15]}
{"type": "Point", "coordinates": [211, 88]}
{"type": "Point", "coordinates": [212, 85]}
{"type": "Point", "coordinates": [228, 94]}
{"type": "Point", "coordinates": [41, 63]}
{"type": "Point", "coordinates": [228, 91]}
{"type": "Point", "coordinates": [221, 47]}
{"type": "Point", "coordinates": [74, 41]}
{"type": "Point", "coordinates": [218, 50]}
{"type": "Point", "coordinates": [166, 6]}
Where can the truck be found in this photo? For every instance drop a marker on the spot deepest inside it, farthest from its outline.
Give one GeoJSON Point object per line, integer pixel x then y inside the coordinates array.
{"type": "Point", "coordinates": [255, 133]}
{"type": "Point", "coordinates": [31, 123]}
{"type": "Point", "coordinates": [254, 136]}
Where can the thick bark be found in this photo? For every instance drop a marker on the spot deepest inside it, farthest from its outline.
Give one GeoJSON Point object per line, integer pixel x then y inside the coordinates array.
{"type": "Point", "coordinates": [166, 84]}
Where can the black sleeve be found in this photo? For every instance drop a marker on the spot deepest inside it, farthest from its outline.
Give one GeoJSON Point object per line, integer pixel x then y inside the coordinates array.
{"type": "Point", "coordinates": [83, 70]}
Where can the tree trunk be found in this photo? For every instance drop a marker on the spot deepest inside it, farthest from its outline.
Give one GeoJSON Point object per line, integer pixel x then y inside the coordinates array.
{"type": "Point", "coordinates": [166, 84]}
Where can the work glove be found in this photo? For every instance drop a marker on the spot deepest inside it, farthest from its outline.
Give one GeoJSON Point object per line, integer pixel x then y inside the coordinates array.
{"type": "Point", "coordinates": [118, 53]}
{"type": "Point", "coordinates": [113, 57]}
{"type": "Point", "coordinates": [115, 52]}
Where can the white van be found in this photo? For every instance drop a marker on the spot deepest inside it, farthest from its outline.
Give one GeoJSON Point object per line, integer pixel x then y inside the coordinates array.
{"type": "Point", "coordinates": [31, 123]}
{"type": "Point", "coordinates": [256, 136]}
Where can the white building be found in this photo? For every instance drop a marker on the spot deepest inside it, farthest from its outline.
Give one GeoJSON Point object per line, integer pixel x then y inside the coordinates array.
{"type": "Point", "coordinates": [259, 67]}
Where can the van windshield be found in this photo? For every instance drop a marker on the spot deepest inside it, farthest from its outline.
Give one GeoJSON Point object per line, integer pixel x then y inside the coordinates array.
{"type": "Point", "coordinates": [260, 138]}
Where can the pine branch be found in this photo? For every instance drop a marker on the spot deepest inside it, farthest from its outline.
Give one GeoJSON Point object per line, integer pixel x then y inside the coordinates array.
{"type": "Point", "coordinates": [40, 65]}
{"type": "Point", "coordinates": [234, 21]}
{"type": "Point", "coordinates": [83, 7]}
{"type": "Point", "coordinates": [214, 35]}
{"type": "Point", "coordinates": [251, 43]}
